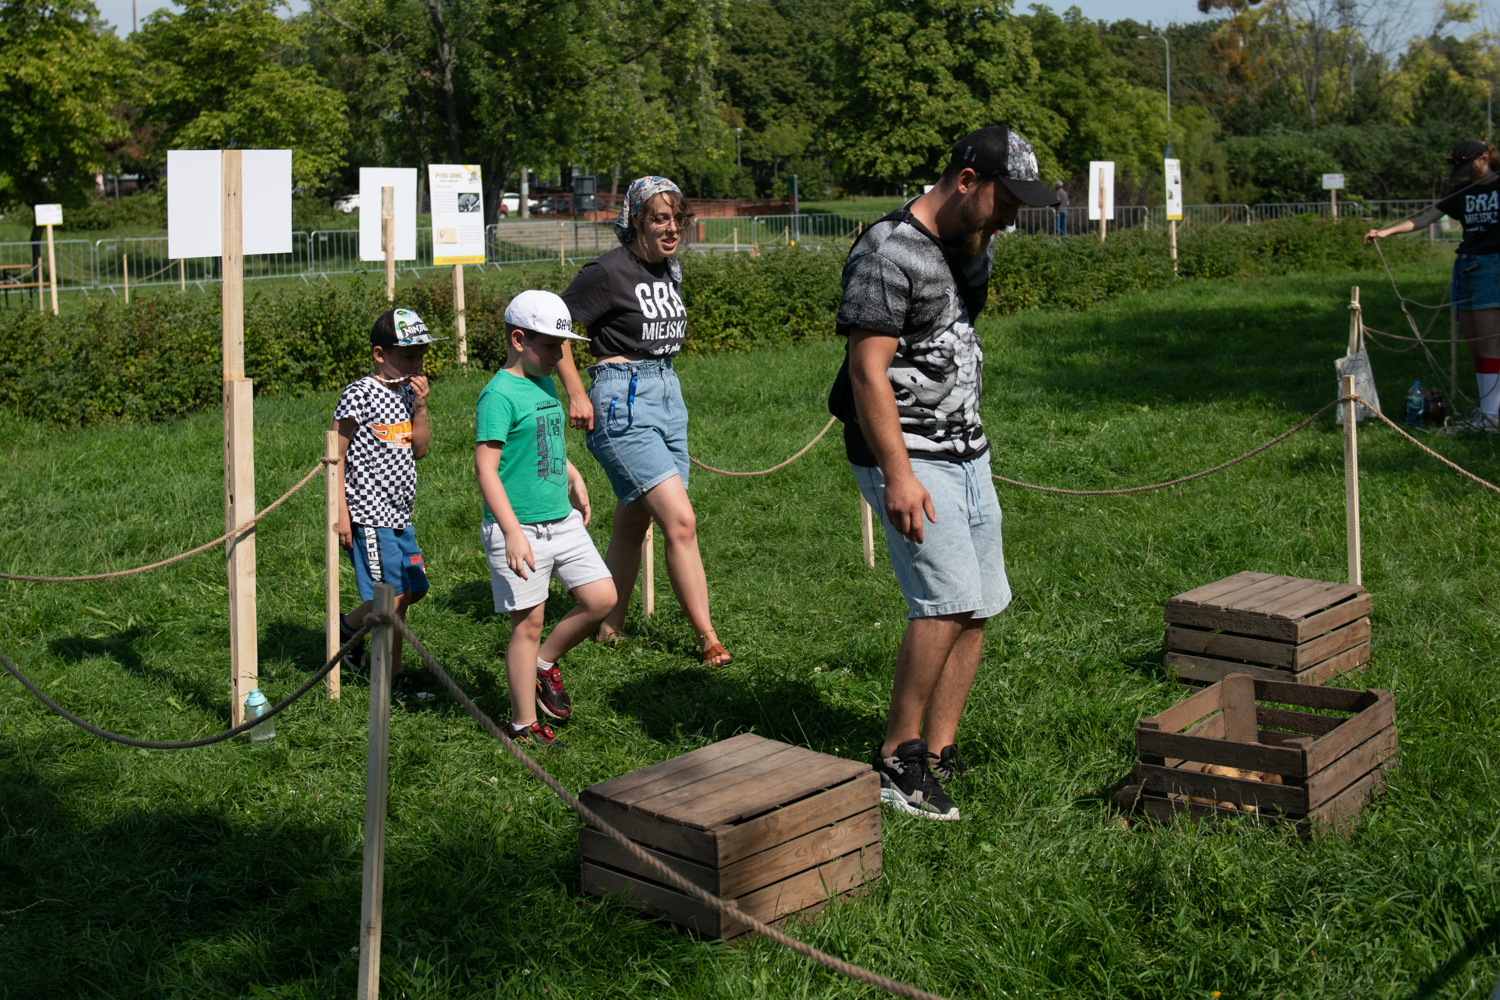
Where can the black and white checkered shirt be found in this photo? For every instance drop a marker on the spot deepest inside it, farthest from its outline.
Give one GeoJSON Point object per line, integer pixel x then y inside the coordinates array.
{"type": "Point", "coordinates": [380, 472]}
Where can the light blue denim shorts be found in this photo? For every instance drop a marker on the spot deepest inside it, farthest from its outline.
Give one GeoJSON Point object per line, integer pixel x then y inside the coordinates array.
{"type": "Point", "coordinates": [1476, 281]}
{"type": "Point", "coordinates": [960, 564]}
{"type": "Point", "coordinates": [640, 425]}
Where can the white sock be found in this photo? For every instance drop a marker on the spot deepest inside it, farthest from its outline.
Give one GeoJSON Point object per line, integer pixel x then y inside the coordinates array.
{"type": "Point", "coordinates": [1489, 392]}
{"type": "Point", "coordinates": [542, 666]}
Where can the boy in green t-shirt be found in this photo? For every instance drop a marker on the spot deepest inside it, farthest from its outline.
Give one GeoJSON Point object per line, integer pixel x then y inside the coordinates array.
{"type": "Point", "coordinates": [535, 509]}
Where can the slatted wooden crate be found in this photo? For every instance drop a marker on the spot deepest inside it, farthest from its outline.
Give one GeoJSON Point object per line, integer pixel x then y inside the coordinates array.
{"type": "Point", "coordinates": [1280, 628]}
{"type": "Point", "coordinates": [777, 828]}
{"type": "Point", "coordinates": [1327, 766]}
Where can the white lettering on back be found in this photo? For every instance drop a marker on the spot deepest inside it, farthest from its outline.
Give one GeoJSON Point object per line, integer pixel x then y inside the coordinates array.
{"type": "Point", "coordinates": [643, 296]}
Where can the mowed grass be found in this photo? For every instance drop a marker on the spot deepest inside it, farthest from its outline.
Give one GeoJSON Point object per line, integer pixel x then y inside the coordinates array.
{"type": "Point", "coordinates": [234, 870]}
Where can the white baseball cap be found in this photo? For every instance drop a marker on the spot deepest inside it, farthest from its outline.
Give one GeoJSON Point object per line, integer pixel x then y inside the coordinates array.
{"type": "Point", "coordinates": [541, 312]}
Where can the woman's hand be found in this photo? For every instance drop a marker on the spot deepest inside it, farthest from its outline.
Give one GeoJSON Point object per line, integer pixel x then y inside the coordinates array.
{"type": "Point", "coordinates": [1373, 235]}
{"type": "Point", "coordinates": [580, 412]}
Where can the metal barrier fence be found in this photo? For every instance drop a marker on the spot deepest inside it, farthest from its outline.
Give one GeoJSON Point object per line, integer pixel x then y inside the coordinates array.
{"type": "Point", "coordinates": [104, 264]}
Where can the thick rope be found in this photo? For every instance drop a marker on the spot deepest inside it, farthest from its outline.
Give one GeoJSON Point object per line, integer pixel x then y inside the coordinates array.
{"type": "Point", "coordinates": [240, 530]}
{"type": "Point", "coordinates": [725, 908]}
{"type": "Point", "coordinates": [774, 468]}
{"type": "Point", "coordinates": [243, 727]}
{"type": "Point", "coordinates": [1397, 428]}
{"type": "Point", "coordinates": [1185, 479]}
{"type": "Point", "coordinates": [1454, 392]}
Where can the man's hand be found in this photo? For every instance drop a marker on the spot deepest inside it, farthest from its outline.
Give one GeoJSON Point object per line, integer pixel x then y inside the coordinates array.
{"type": "Point", "coordinates": [419, 386]}
{"type": "Point", "coordinates": [345, 533]}
{"type": "Point", "coordinates": [906, 501]}
{"type": "Point", "coordinates": [518, 554]}
{"type": "Point", "coordinates": [580, 412]}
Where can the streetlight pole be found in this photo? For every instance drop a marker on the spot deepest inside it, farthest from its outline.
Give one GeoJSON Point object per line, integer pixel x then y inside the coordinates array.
{"type": "Point", "coordinates": [737, 148]}
{"type": "Point", "coordinates": [1169, 84]}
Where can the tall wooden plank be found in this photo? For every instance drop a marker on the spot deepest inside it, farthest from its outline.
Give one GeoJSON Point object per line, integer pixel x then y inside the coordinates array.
{"type": "Point", "coordinates": [388, 239]}
{"type": "Point", "coordinates": [648, 570]}
{"type": "Point", "coordinates": [239, 442]}
{"type": "Point", "coordinates": [460, 324]}
{"type": "Point", "coordinates": [1239, 708]}
{"type": "Point", "coordinates": [377, 772]}
{"type": "Point", "coordinates": [52, 269]}
{"type": "Point", "coordinates": [1351, 483]}
{"type": "Point", "coordinates": [232, 267]}
{"type": "Point", "coordinates": [867, 531]}
{"type": "Point", "coordinates": [331, 557]}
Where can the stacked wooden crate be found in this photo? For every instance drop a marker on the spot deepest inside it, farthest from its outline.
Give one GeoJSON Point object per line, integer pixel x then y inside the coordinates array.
{"type": "Point", "coordinates": [1228, 750]}
{"type": "Point", "coordinates": [1280, 628]}
{"type": "Point", "coordinates": [776, 828]}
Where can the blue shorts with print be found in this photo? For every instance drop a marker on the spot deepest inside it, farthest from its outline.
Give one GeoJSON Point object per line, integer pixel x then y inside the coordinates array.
{"type": "Point", "coordinates": [960, 564]}
{"type": "Point", "coordinates": [387, 555]}
{"type": "Point", "coordinates": [1476, 281]}
{"type": "Point", "coordinates": [640, 425]}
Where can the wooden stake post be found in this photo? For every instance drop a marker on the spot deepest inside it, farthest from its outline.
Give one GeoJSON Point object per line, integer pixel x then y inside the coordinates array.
{"type": "Point", "coordinates": [1172, 229]}
{"type": "Point", "coordinates": [562, 260]}
{"type": "Point", "coordinates": [648, 572]}
{"type": "Point", "coordinates": [1103, 222]}
{"type": "Point", "coordinates": [52, 269]}
{"type": "Point", "coordinates": [460, 325]}
{"type": "Point", "coordinates": [331, 641]}
{"type": "Point", "coordinates": [377, 773]}
{"type": "Point", "coordinates": [1356, 327]}
{"type": "Point", "coordinates": [388, 239]}
{"type": "Point", "coordinates": [182, 274]}
{"type": "Point", "coordinates": [867, 530]}
{"type": "Point", "coordinates": [239, 445]}
{"type": "Point", "coordinates": [1351, 482]}
{"type": "Point", "coordinates": [125, 273]}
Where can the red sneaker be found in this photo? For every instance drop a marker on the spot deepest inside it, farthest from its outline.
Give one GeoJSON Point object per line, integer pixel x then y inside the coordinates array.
{"type": "Point", "coordinates": [551, 698]}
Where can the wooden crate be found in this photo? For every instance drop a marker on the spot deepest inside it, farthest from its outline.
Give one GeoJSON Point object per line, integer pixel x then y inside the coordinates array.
{"type": "Point", "coordinates": [777, 828]}
{"type": "Point", "coordinates": [1277, 628]}
{"type": "Point", "coordinates": [1329, 765]}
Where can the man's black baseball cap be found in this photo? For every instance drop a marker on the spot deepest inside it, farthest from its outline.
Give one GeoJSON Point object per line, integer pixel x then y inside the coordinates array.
{"type": "Point", "coordinates": [995, 151]}
{"type": "Point", "coordinates": [1464, 155]}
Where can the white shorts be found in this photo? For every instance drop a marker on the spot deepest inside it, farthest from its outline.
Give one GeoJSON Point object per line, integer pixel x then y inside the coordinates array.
{"type": "Point", "coordinates": [561, 548]}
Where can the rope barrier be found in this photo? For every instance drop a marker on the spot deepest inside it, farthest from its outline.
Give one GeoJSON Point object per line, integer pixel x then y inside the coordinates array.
{"type": "Point", "coordinates": [1454, 392]}
{"type": "Point", "coordinates": [774, 468]}
{"type": "Point", "coordinates": [177, 558]}
{"type": "Point", "coordinates": [725, 908]}
{"type": "Point", "coordinates": [1452, 465]}
{"type": "Point", "coordinates": [1184, 479]}
{"type": "Point", "coordinates": [243, 727]}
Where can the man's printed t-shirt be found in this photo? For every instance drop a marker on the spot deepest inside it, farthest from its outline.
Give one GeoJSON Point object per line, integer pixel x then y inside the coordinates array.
{"type": "Point", "coordinates": [1477, 207]}
{"type": "Point", "coordinates": [903, 281]}
{"type": "Point", "coordinates": [523, 414]}
{"type": "Point", "coordinates": [380, 472]}
{"type": "Point", "coordinates": [628, 306]}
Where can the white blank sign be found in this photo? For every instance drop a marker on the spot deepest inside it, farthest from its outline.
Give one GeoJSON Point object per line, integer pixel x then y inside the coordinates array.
{"type": "Point", "coordinates": [371, 180]}
{"type": "Point", "coordinates": [1333, 182]}
{"type": "Point", "coordinates": [195, 202]}
{"type": "Point", "coordinates": [1101, 176]}
{"type": "Point", "coordinates": [49, 215]}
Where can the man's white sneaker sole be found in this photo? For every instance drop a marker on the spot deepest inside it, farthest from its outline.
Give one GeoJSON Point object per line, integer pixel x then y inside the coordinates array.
{"type": "Point", "coordinates": [893, 797]}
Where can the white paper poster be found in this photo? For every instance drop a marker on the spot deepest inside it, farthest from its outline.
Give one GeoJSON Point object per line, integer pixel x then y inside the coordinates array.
{"type": "Point", "coordinates": [195, 202]}
{"type": "Point", "coordinates": [457, 214]}
{"type": "Point", "coordinates": [1101, 193]}
{"type": "Point", "coordinates": [1333, 182]}
{"type": "Point", "coordinates": [371, 180]}
{"type": "Point", "coordinates": [49, 215]}
{"type": "Point", "coordinates": [1174, 189]}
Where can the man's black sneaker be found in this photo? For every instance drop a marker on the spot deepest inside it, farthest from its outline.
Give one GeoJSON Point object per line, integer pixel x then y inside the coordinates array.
{"type": "Point", "coordinates": [355, 658]}
{"type": "Point", "coordinates": [947, 764]}
{"type": "Point", "coordinates": [907, 785]}
{"type": "Point", "coordinates": [537, 734]}
{"type": "Point", "coordinates": [551, 697]}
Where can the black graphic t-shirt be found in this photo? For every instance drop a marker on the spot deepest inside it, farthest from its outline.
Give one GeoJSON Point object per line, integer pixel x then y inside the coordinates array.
{"type": "Point", "coordinates": [902, 280]}
{"type": "Point", "coordinates": [628, 306]}
{"type": "Point", "coordinates": [1477, 208]}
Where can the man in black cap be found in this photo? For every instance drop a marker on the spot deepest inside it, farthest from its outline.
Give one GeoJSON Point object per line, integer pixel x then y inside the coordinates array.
{"type": "Point", "coordinates": [908, 395]}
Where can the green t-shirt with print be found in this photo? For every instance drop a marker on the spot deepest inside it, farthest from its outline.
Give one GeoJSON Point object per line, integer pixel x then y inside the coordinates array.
{"type": "Point", "coordinates": [523, 414]}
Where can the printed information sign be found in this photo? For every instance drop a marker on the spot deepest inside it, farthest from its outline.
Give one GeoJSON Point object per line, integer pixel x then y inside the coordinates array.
{"type": "Point", "coordinates": [1174, 189]}
{"type": "Point", "coordinates": [457, 214]}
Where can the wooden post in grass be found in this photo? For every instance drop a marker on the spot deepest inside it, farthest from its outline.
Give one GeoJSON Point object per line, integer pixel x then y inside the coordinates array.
{"type": "Point", "coordinates": [331, 641]}
{"type": "Point", "coordinates": [1453, 355]}
{"type": "Point", "coordinates": [52, 269]}
{"type": "Point", "coordinates": [867, 530]}
{"type": "Point", "coordinates": [1103, 222]}
{"type": "Point", "coordinates": [648, 572]}
{"type": "Point", "coordinates": [1356, 326]}
{"type": "Point", "coordinates": [1172, 228]}
{"type": "Point", "coordinates": [377, 772]}
{"type": "Point", "coordinates": [562, 260]}
{"type": "Point", "coordinates": [388, 239]}
{"type": "Point", "coordinates": [736, 239]}
{"type": "Point", "coordinates": [182, 275]}
{"type": "Point", "coordinates": [239, 444]}
{"type": "Point", "coordinates": [1351, 481]}
{"type": "Point", "coordinates": [125, 273]}
{"type": "Point", "coordinates": [460, 325]}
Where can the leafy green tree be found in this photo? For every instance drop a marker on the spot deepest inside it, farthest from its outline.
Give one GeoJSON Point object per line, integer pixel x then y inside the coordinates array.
{"type": "Point", "coordinates": [914, 77]}
{"type": "Point", "coordinates": [222, 76]}
{"type": "Point", "coordinates": [60, 74]}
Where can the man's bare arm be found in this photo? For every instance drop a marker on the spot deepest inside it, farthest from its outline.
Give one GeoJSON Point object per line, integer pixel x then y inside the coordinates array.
{"type": "Point", "coordinates": [906, 499]}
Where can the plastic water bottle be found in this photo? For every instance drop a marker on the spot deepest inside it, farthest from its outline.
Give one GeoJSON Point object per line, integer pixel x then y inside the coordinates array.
{"type": "Point", "coordinates": [1415, 404]}
{"type": "Point", "coordinates": [256, 706]}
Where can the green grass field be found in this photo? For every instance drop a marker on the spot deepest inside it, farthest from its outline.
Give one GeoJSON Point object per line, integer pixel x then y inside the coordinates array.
{"type": "Point", "coordinates": [234, 870]}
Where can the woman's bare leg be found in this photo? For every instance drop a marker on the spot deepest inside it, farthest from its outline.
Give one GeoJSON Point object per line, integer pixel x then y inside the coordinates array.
{"type": "Point", "coordinates": [1481, 330]}
{"type": "Point", "coordinates": [624, 559]}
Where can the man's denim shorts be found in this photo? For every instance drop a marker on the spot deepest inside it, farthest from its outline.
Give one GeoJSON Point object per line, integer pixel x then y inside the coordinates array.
{"type": "Point", "coordinates": [960, 565]}
{"type": "Point", "coordinates": [1476, 281]}
{"type": "Point", "coordinates": [640, 425]}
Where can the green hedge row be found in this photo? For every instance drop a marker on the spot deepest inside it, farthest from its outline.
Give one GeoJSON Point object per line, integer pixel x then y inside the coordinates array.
{"type": "Point", "coordinates": [160, 357]}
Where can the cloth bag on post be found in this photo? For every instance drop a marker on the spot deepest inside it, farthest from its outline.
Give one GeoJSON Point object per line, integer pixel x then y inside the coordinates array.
{"type": "Point", "coordinates": [1358, 365]}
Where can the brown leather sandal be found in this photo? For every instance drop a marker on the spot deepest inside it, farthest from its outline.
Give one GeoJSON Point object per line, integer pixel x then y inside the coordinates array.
{"type": "Point", "coordinates": [712, 653]}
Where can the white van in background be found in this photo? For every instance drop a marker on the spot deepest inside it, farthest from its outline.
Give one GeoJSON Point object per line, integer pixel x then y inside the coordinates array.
{"type": "Point", "coordinates": [510, 203]}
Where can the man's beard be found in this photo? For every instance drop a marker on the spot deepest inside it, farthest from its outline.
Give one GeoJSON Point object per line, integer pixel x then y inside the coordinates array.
{"type": "Point", "coordinates": [978, 231]}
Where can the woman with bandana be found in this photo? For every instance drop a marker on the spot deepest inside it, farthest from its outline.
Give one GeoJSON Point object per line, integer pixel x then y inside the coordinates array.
{"type": "Point", "coordinates": [629, 301]}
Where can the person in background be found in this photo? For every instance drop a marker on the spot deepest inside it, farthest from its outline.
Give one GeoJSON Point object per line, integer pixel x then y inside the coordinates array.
{"type": "Point", "coordinates": [1061, 193]}
{"type": "Point", "coordinates": [1475, 203]}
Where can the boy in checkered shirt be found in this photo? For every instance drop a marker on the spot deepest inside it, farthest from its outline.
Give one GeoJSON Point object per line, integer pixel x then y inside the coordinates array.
{"type": "Point", "coordinates": [381, 422]}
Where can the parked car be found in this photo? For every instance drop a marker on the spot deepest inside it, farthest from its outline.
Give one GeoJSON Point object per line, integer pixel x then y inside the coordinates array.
{"type": "Point", "coordinates": [511, 202]}
{"type": "Point", "coordinates": [348, 204]}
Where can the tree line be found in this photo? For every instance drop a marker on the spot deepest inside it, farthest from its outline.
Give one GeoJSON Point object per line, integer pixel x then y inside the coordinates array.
{"type": "Point", "coordinates": [732, 97]}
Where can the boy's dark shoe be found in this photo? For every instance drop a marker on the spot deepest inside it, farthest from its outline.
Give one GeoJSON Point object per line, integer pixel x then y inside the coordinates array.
{"type": "Point", "coordinates": [947, 764]}
{"type": "Point", "coordinates": [908, 786]}
{"type": "Point", "coordinates": [355, 658]}
{"type": "Point", "coordinates": [538, 734]}
{"type": "Point", "coordinates": [551, 697]}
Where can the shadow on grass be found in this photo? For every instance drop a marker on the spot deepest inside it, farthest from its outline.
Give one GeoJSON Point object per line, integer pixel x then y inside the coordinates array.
{"type": "Point", "coordinates": [1476, 943]}
{"type": "Point", "coordinates": [120, 646]}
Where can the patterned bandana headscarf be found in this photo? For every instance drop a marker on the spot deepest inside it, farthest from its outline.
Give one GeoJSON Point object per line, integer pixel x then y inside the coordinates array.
{"type": "Point", "coordinates": [641, 191]}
